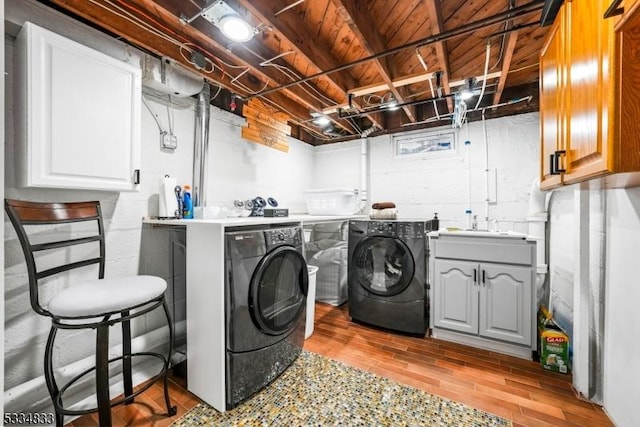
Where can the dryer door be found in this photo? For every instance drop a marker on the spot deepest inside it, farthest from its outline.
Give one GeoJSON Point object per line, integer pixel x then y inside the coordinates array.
{"type": "Point", "coordinates": [383, 265]}
{"type": "Point", "coordinates": [278, 290]}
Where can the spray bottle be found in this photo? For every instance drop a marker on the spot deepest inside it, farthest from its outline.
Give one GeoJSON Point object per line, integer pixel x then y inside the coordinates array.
{"type": "Point", "coordinates": [187, 202]}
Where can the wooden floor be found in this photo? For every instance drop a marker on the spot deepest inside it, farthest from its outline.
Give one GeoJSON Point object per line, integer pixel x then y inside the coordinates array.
{"type": "Point", "coordinates": [510, 387]}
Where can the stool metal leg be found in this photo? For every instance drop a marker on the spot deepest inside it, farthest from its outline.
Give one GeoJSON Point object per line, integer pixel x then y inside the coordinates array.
{"type": "Point", "coordinates": [126, 358]}
{"type": "Point", "coordinates": [50, 378]}
{"type": "Point", "coordinates": [102, 375]}
{"type": "Point", "coordinates": [171, 410]}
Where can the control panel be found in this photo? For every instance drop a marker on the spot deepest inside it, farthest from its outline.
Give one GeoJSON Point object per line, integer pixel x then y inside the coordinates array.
{"type": "Point", "coordinates": [411, 230]}
{"type": "Point", "coordinates": [284, 236]}
{"type": "Point", "coordinates": [381, 228]}
{"type": "Point", "coordinates": [396, 229]}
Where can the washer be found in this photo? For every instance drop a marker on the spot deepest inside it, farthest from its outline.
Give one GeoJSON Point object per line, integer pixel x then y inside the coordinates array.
{"type": "Point", "coordinates": [266, 283]}
{"type": "Point", "coordinates": [387, 271]}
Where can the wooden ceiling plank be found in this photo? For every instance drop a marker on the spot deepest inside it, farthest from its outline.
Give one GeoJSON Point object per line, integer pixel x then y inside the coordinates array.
{"type": "Point", "coordinates": [403, 81]}
{"type": "Point", "coordinates": [360, 19]}
{"type": "Point", "coordinates": [512, 39]}
{"type": "Point", "coordinates": [307, 45]}
{"type": "Point", "coordinates": [198, 34]}
{"type": "Point", "coordinates": [437, 26]}
{"type": "Point", "coordinates": [243, 57]}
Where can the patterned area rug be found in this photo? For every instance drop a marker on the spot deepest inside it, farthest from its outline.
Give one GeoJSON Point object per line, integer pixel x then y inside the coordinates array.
{"type": "Point", "coordinates": [317, 391]}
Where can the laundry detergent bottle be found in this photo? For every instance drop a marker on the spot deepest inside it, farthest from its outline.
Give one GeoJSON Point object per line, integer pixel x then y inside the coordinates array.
{"type": "Point", "coordinates": [187, 203]}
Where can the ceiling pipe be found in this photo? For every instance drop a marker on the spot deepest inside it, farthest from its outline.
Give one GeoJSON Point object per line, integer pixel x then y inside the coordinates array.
{"type": "Point", "coordinates": [510, 14]}
{"type": "Point", "coordinates": [383, 108]}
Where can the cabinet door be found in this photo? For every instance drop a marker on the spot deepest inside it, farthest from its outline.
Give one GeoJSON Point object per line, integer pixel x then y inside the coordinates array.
{"type": "Point", "coordinates": [456, 295]}
{"type": "Point", "coordinates": [79, 115]}
{"type": "Point", "coordinates": [505, 303]}
{"type": "Point", "coordinates": [627, 89]}
{"type": "Point", "coordinates": [553, 98]}
{"type": "Point", "coordinates": [590, 91]}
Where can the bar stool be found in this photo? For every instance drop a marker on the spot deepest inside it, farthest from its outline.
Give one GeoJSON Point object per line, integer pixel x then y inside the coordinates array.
{"type": "Point", "coordinates": [96, 304]}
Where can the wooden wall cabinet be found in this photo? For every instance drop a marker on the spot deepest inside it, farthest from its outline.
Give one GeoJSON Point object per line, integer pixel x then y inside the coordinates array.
{"type": "Point", "coordinates": [78, 115]}
{"type": "Point", "coordinates": [553, 95]}
{"type": "Point", "coordinates": [590, 99]}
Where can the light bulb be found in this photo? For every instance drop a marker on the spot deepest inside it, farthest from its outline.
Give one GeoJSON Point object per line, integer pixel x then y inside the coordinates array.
{"type": "Point", "coordinates": [392, 106]}
{"type": "Point", "coordinates": [322, 121]}
{"type": "Point", "coordinates": [466, 94]}
{"type": "Point", "coordinates": [235, 28]}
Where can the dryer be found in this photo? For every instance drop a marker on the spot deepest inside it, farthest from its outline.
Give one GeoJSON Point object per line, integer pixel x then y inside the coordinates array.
{"type": "Point", "coordinates": [266, 284]}
{"type": "Point", "coordinates": [387, 274]}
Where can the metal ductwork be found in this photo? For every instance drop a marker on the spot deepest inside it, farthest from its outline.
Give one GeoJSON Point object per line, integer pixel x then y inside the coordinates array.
{"type": "Point", "coordinates": [166, 76]}
{"type": "Point", "coordinates": [201, 147]}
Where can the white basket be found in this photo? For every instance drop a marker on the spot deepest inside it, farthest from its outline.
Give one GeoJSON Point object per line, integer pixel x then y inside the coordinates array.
{"type": "Point", "coordinates": [331, 201]}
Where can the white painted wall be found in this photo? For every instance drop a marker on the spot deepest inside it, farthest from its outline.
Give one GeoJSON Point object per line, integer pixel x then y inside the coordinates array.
{"type": "Point", "coordinates": [622, 319]}
{"type": "Point", "coordinates": [239, 169]}
{"type": "Point", "coordinates": [421, 186]}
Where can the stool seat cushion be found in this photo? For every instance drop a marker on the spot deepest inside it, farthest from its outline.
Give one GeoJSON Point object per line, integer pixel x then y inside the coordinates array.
{"type": "Point", "coordinates": [106, 296]}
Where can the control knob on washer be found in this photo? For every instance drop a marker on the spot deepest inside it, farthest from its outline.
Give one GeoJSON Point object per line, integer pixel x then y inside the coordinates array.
{"type": "Point", "coordinates": [281, 236]}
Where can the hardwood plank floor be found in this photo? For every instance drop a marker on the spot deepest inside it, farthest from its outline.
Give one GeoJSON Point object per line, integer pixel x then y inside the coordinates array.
{"type": "Point", "coordinates": [512, 388]}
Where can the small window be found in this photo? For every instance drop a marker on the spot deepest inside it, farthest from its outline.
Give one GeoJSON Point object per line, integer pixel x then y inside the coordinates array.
{"type": "Point", "coordinates": [424, 144]}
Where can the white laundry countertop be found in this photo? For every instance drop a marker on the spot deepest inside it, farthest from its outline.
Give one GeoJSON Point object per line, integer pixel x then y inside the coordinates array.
{"type": "Point", "coordinates": [257, 220]}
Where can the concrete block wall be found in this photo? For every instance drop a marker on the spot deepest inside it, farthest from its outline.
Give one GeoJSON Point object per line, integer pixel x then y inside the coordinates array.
{"type": "Point", "coordinates": [565, 242]}
{"type": "Point", "coordinates": [242, 170]}
{"type": "Point", "coordinates": [622, 301]}
{"type": "Point", "coordinates": [421, 186]}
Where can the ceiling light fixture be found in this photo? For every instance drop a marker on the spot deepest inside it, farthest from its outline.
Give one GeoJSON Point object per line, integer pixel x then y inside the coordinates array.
{"type": "Point", "coordinates": [320, 119]}
{"type": "Point", "coordinates": [467, 92]}
{"type": "Point", "coordinates": [230, 23]}
{"type": "Point", "coordinates": [391, 104]}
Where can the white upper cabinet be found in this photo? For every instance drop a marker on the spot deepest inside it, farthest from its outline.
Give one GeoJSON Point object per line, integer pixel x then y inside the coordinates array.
{"type": "Point", "coordinates": [78, 114]}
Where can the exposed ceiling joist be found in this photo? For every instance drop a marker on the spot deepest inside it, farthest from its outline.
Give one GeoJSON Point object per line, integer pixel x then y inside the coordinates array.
{"type": "Point", "coordinates": [512, 38]}
{"type": "Point", "coordinates": [359, 20]}
{"type": "Point", "coordinates": [403, 81]}
{"type": "Point", "coordinates": [442, 55]}
{"type": "Point", "coordinates": [306, 44]}
{"type": "Point", "coordinates": [478, 79]}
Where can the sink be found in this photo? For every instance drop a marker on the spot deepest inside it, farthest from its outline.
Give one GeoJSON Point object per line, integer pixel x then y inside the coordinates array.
{"type": "Point", "coordinates": [482, 233]}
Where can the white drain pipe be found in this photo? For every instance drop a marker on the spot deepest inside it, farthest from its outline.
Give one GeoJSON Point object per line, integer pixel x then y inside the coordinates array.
{"type": "Point", "coordinates": [364, 169]}
{"type": "Point", "coordinates": [537, 218]}
{"type": "Point", "coordinates": [486, 168]}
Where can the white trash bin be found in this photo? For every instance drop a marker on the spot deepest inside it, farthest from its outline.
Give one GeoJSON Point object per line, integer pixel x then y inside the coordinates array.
{"type": "Point", "coordinates": [311, 300]}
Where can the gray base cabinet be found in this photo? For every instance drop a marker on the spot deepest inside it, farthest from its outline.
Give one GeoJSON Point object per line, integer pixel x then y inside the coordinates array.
{"type": "Point", "coordinates": [482, 291]}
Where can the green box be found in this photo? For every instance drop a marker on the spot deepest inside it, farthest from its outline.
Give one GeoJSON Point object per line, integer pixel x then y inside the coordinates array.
{"type": "Point", "coordinates": [553, 344]}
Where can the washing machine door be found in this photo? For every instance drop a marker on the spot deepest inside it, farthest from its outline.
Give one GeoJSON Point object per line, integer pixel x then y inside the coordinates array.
{"type": "Point", "coordinates": [383, 265]}
{"type": "Point", "coordinates": [278, 290]}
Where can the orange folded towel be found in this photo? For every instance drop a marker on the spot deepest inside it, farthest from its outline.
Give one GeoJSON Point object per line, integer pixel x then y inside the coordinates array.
{"type": "Point", "coordinates": [383, 205]}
